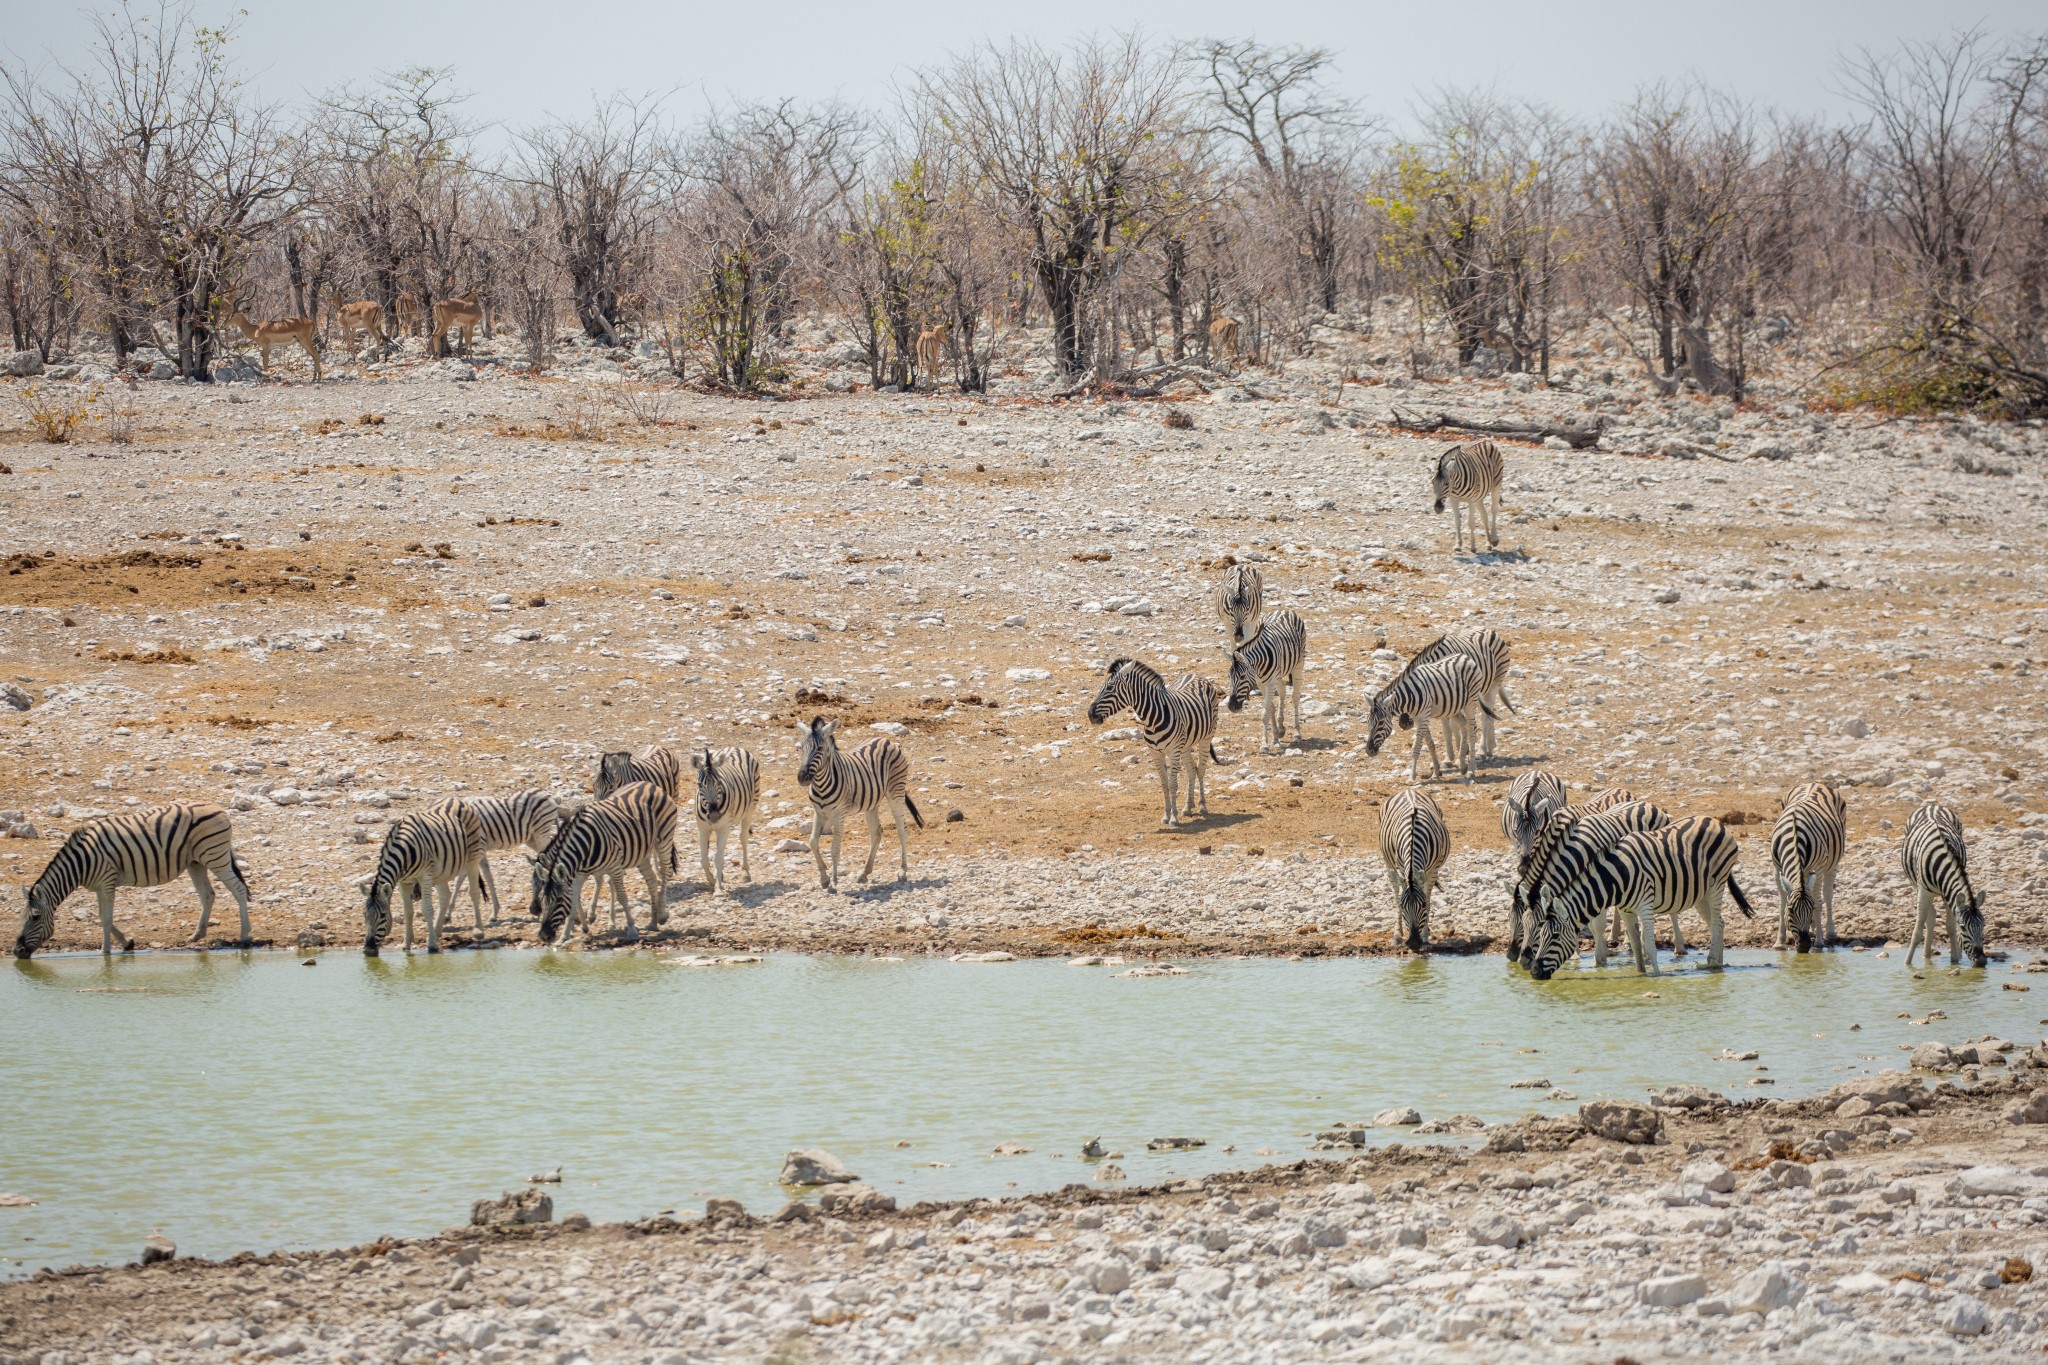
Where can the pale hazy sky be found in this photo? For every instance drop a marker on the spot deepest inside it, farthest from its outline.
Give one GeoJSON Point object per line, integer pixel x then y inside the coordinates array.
{"type": "Point", "coordinates": [524, 58]}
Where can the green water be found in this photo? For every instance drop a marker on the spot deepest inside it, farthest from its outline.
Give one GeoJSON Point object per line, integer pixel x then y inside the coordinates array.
{"type": "Point", "coordinates": [246, 1102]}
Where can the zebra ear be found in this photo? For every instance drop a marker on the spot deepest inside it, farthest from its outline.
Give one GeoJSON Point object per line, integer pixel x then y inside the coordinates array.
{"type": "Point", "coordinates": [803, 728]}
{"type": "Point", "coordinates": [827, 727]}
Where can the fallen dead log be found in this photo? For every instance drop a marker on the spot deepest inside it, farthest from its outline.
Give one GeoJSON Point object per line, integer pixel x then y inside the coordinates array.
{"type": "Point", "coordinates": [1578, 438]}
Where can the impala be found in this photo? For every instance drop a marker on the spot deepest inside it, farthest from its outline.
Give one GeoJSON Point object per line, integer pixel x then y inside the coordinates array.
{"type": "Point", "coordinates": [460, 314]}
{"type": "Point", "coordinates": [275, 333]}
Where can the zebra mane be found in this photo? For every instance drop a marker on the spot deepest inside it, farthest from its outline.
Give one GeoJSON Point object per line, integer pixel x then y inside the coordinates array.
{"type": "Point", "coordinates": [1143, 670]}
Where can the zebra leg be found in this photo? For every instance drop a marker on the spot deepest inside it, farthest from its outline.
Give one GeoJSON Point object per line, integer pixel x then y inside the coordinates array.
{"type": "Point", "coordinates": [1827, 883]}
{"type": "Point", "coordinates": [1645, 911]}
{"type": "Point", "coordinates": [838, 836]}
{"type": "Point", "coordinates": [1923, 926]}
{"type": "Point", "coordinates": [718, 837]}
{"type": "Point", "coordinates": [746, 832]}
{"type": "Point", "coordinates": [475, 877]}
{"type": "Point", "coordinates": [874, 814]}
{"type": "Point", "coordinates": [1955, 954]}
{"type": "Point", "coordinates": [205, 890]}
{"type": "Point", "coordinates": [1710, 906]}
{"type": "Point", "coordinates": [902, 843]}
{"type": "Point", "coordinates": [817, 849]}
{"type": "Point", "coordinates": [483, 870]}
{"type": "Point", "coordinates": [1634, 928]}
{"type": "Point", "coordinates": [406, 890]}
{"type": "Point", "coordinates": [1166, 783]}
{"type": "Point", "coordinates": [231, 877]}
{"type": "Point", "coordinates": [1486, 722]}
{"type": "Point", "coordinates": [435, 914]}
{"type": "Point", "coordinates": [704, 857]}
{"type": "Point", "coordinates": [107, 930]}
{"type": "Point", "coordinates": [1492, 505]}
{"type": "Point", "coordinates": [1677, 936]}
{"type": "Point", "coordinates": [1600, 938]}
{"type": "Point", "coordinates": [1295, 680]}
{"type": "Point", "coordinates": [1784, 912]}
{"type": "Point", "coordinates": [1201, 774]}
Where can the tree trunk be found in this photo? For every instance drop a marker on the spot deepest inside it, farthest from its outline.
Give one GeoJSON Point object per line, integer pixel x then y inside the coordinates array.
{"type": "Point", "coordinates": [1062, 298]}
{"type": "Point", "coordinates": [1697, 349]}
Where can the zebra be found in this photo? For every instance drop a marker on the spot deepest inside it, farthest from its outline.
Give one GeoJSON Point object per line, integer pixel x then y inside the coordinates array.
{"type": "Point", "coordinates": [1468, 474]}
{"type": "Point", "coordinates": [1240, 601]}
{"type": "Point", "coordinates": [1271, 662]}
{"type": "Point", "coordinates": [539, 863]}
{"type": "Point", "coordinates": [861, 783]}
{"type": "Point", "coordinates": [1608, 797]}
{"type": "Point", "coordinates": [473, 849]}
{"type": "Point", "coordinates": [634, 826]}
{"type": "Point", "coordinates": [1570, 841]}
{"type": "Point", "coordinates": [1531, 800]}
{"type": "Point", "coordinates": [1807, 841]}
{"type": "Point", "coordinates": [1684, 865]}
{"type": "Point", "coordinates": [1414, 842]}
{"type": "Point", "coordinates": [1937, 864]}
{"type": "Point", "coordinates": [1178, 723]}
{"type": "Point", "coordinates": [526, 819]}
{"type": "Point", "coordinates": [656, 763]}
{"type": "Point", "coordinates": [1448, 688]}
{"type": "Point", "coordinates": [1488, 651]}
{"type": "Point", "coordinates": [140, 848]}
{"type": "Point", "coordinates": [728, 789]}
{"type": "Point", "coordinates": [423, 853]}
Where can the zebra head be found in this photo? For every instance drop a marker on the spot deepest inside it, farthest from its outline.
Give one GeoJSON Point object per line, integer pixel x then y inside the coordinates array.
{"type": "Point", "coordinates": [1382, 724]}
{"type": "Point", "coordinates": [712, 793]}
{"type": "Point", "coordinates": [38, 921]}
{"type": "Point", "coordinates": [614, 770]}
{"type": "Point", "coordinates": [1969, 928]}
{"type": "Point", "coordinates": [1800, 913]}
{"type": "Point", "coordinates": [1415, 916]}
{"type": "Point", "coordinates": [819, 751]}
{"type": "Point", "coordinates": [376, 916]}
{"type": "Point", "coordinates": [1440, 481]}
{"type": "Point", "coordinates": [552, 897]}
{"type": "Point", "coordinates": [1553, 942]}
{"type": "Point", "coordinates": [1110, 699]}
{"type": "Point", "coordinates": [1242, 682]}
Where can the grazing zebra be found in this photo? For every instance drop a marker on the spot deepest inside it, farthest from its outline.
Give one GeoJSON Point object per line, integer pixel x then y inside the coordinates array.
{"type": "Point", "coordinates": [142, 848]}
{"type": "Point", "coordinates": [656, 764]}
{"type": "Point", "coordinates": [526, 819]}
{"type": "Point", "coordinates": [861, 783]}
{"type": "Point", "coordinates": [1807, 840]}
{"type": "Point", "coordinates": [1684, 865]}
{"type": "Point", "coordinates": [728, 789]}
{"type": "Point", "coordinates": [1448, 689]}
{"type": "Point", "coordinates": [1240, 601]}
{"type": "Point", "coordinates": [1488, 652]}
{"type": "Point", "coordinates": [424, 852]}
{"type": "Point", "coordinates": [473, 849]}
{"type": "Point", "coordinates": [1271, 662]}
{"type": "Point", "coordinates": [1178, 723]}
{"type": "Point", "coordinates": [1571, 840]}
{"type": "Point", "coordinates": [1468, 474]}
{"type": "Point", "coordinates": [635, 826]}
{"type": "Point", "coordinates": [1937, 864]}
{"type": "Point", "coordinates": [1414, 841]}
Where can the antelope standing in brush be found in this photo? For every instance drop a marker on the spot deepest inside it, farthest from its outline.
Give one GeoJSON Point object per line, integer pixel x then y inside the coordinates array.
{"type": "Point", "coordinates": [931, 352]}
{"type": "Point", "coordinates": [406, 309]}
{"type": "Point", "coordinates": [462, 314]}
{"type": "Point", "coordinates": [366, 317]}
{"type": "Point", "coordinates": [1225, 338]}
{"type": "Point", "coordinates": [275, 333]}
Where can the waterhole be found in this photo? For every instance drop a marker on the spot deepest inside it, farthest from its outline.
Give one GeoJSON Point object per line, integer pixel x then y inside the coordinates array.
{"type": "Point", "coordinates": [246, 1102]}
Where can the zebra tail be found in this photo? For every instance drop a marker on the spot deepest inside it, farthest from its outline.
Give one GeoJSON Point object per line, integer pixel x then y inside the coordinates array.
{"type": "Point", "coordinates": [1504, 701]}
{"type": "Point", "coordinates": [911, 806]}
{"type": "Point", "coordinates": [1491, 714]}
{"type": "Point", "coordinates": [241, 868]}
{"type": "Point", "coordinates": [1212, 752]}
{"type": "Point", "coordinates": [1741, 901]}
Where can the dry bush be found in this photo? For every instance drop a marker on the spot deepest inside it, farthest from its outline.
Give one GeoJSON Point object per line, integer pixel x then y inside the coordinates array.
{"type": "Point", "coordinates": [121, 419]}
{"type": "Point", "coordinates": [643, 404]}
{"type": "Point", "coordinates": [54, 415]}
{"type": "Point", "coordinates": [1177, 420]}
{"type": "Point", "coordinates": [583, 417]}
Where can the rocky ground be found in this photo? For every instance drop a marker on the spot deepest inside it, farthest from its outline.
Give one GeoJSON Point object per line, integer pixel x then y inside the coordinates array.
{"type": "Point", "coordinates": [324, 604]}
{"type": "Point", "coordinates": [1882, 1221]}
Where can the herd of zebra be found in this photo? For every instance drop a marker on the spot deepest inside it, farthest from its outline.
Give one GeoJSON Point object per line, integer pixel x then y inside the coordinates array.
{"type": "Point", "coordinates": [1574, 866]}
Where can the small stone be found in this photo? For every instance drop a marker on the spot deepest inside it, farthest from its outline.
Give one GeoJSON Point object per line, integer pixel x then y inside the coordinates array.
{"type": "Point", "coordinates": [521, 1206]}
{"type": "Point", "coordinates": [1104, 1274]}
{"type": "Point", "coordinates": [1622, 1121]}
{"type": "Point", "coordinates": [1496, 1230]}
{"type": "Point", "coordinates": [1397, 1118]}
{"type": "Point", "coordinates": [15, 698]}
{"type": "Point", "coordinates": [723, 1210]}
{"type": "Point", "coordinates": [1932, 1056]}
{"type": "Point", "coordinates": [814, 1166]}
{"type": "Point", "coordinates": [2031, 1108]}
{"type": "Point", "coordinates": [1965, 1316]}
{"type": "Point", "coordinates": [1109, 1170]}
{"type": "Point", "coordinates": [1672, 1291]}
{"type": "Point", "coordinates": [158, 1248]}
{"type": "Point", "coordinates": [1717, 1178]}
{"type": "Point", "coordinates": [1765, 1290]}
{"type": "Point", "coordinates": [795, 1211]}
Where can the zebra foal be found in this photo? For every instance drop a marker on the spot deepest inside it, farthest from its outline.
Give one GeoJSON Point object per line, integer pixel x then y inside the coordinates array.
{"type": "Point", "coordinates": [1240, 601]}
{"type": "Point", "coordinates": [1178, 724]}
{"type": "Point", "coordinates": [1414, 842]}
{"type": "Point", "coordinates": [1488, 652]}
{"type": "Point", "coordinates": [1937, 864]}
{"type": "Point", "coordinates": [860, 783]}
{"type": "Point", "coordinates": [422, 855]}
{"type": "Point", "coordinates": [1270, 662]}
{"type": "Point", "coordinates": [1807, 840]}
{"type": "Point", "coordinates": [141, 848]}
{"type": "Point", "coordinates": [1468, 478]}
{"type": "Point", "coordinates": [728, 790]}
{"type": "Point", "coordinates": [1448, 689]}
{"type": "Point", "coordinates": [633, 827]}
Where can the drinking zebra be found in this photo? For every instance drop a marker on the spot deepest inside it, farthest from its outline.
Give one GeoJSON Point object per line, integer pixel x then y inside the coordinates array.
{"type": "Point", "coordinates": [526, 819]}
{"type": "Point", "coordinates": [1178, 724]}
{"type": "Point", "coordinates": [1271, 662]}
{"type": "Point", "coordinates": [1531, 800]}
{"type": "Point", "coordinates": [1414, 842]}
{"type": "Point", "coordinates": [141, 848]}
{"type": "Point", "coordinates": [1448, 689]}
{"type": "Point", "coordinates": [1488, 652]}
{"type": "Point", "coordinates": [1240, 601]}
{"type": "Point", "coordinates": [633, 827]}
{"type": "Point", "coordinates": [860, 783]}
{"type": "Point", "coordinates": [1465, 475]}
{"type": "Point", "coordinates": [1937, 864]}
{"type": "Point", "coordinates": [728, 789]}
{"type": "Point", "coordinates": [656, 764]}
{"type": "Point", "coordinates": [1807, 840]}
{"type": "Point", "coordinates": [1688, 864]}
{"type": "Point", "coordinates": [423, 853]}
{"type": "Point", "coordinates": [1564, 851]}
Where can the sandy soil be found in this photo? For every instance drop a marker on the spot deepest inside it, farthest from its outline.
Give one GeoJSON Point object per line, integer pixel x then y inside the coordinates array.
{"type": "Point", "coordinates": [323, 604]}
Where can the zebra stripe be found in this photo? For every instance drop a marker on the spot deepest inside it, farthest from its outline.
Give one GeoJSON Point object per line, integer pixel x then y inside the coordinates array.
{"type": "Point", "coordinates": [1488, 651]}
{"type": "Point", "coordinates": [1414, 842]}
{"type": "Point", "coordinates": [1178, 723]}
{"type": "Point", "coordinates": [1564, 851]}
{"type": "Point", "coordinates": [1684, 865]}
{"type": "Point", "coordinates": [655, 764]}
{"type": "Point", "coordinates": [525, 819]}
{"type": "Point", "coordinates": [635, 826]}
{"type": "Point", "coordinates": [423, 853]}
{"type": "Point", "coordinates": [1807, 841]}
{"type": "Point", "coordinates": [1270, 662]}
{"type": "Point", "coordinates": [1530, 800]}
{"type": "Point", "coordinates": [473, 848]}
{"type": "Point", "coordinates": [1240, 600]}
{"type": "Point", "coordinates": [1469, 474]}
{"type": "Point", "coordinates": [1936, 862]}
{"type": "Point", "coordinates": [728, 790]}
{"type": "Point", "coordinates": [1448, 689]}
{"type": "Point", "coordinates": [1609, 797]}
{"type": "Point", "coordinates": [860, 783]}
{"type": "Point", "coordinates": [139, 848]}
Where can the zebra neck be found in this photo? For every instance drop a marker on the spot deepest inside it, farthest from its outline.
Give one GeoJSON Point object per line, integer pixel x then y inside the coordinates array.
{"type": "Point", "coordinates": [60, 878]}
{"type": "Point", "coordinates": [1150, 707]}
{"type": "Point", "coordinates": [831, 777]}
